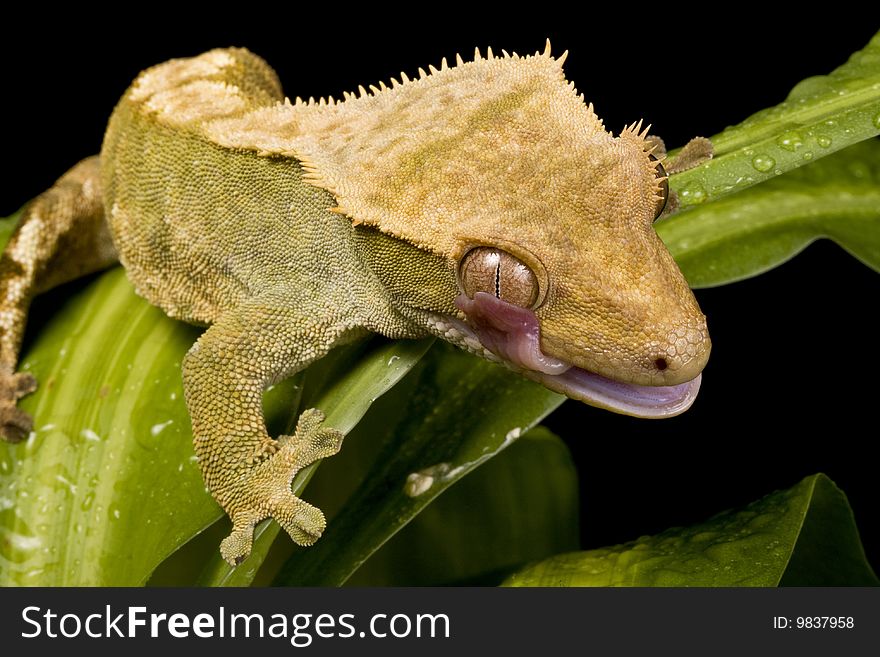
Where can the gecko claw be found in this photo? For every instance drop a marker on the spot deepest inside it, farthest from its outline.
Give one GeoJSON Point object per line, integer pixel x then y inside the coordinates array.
{"type": "Point", "coordinates": [236, 547]}
{"type": "Point", "coordinates": [15, 424]}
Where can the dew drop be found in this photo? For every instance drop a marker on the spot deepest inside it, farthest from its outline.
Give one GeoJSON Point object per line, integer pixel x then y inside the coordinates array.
{"type": "Point", "coordinates": [89, 434]}
{"type": "Point", "coordinates": [877, 120]}
{"type": "Point", "coordinates": [156, 429]}
{"type": "Point", "coordinates": [790, 141]}
{"type": "Point", "coordinates": [763, 163]}
{"type": "Point", "coordinates": [808, 155]}
{"type": "Point", "coordinates": [87, 501]}
{"type": "Point", "coordinates": [823, 141]}
{"type": "Point", "coordinates": [693, 193]}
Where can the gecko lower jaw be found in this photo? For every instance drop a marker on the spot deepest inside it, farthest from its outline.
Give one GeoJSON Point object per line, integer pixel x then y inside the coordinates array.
{"type": "Point", "coordinates": [651, 402]}
{"type": "Point", "coordinates": [511, 334]}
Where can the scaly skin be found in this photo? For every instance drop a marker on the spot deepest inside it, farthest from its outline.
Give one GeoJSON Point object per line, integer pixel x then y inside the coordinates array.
{"type": "Point", "coordinates": [290, 228]}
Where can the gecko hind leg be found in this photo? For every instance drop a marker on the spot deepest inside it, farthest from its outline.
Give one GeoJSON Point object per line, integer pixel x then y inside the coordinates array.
{"type": "Point", "coordinates": [61, 236]}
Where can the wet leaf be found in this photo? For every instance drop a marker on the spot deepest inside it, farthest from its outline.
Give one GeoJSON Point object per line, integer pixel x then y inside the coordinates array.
{"type": "Point", "coordinates": [805, 535]}
{"type": "Point", "coordinates": [821, 115]}
{"type": "Point", "coordinates": [107, 486]}
{"type": "Point", "coordinates": [753, 231]}
{"type": "Point", "coordinates": [520, 506]}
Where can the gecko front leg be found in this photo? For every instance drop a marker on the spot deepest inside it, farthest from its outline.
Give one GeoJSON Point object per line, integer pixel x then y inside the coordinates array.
{"type": "Point", "coordinates": [265, 491]}
{"type": "Point", "coordinates": [224, 376]}
{"type": "Point", "coordinates": [692, 154]}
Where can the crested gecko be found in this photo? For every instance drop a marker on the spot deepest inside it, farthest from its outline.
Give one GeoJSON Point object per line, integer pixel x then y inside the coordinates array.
{"type": "Point", "coordinates": [484, 203]}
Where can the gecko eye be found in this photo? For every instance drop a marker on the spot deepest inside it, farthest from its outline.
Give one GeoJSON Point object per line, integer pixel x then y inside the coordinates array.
{"type": "Point", "coordinates": [496, 272]}
{"type": "Point", "coordinates": [664, 188]}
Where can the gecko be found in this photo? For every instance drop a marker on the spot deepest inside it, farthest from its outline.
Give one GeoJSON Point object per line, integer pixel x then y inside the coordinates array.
{"type": "Point", "coordinates": [484, 203]}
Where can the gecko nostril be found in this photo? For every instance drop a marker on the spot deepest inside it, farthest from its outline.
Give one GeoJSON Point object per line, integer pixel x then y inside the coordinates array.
{"type": "Point", "coordinates": [661, 364]}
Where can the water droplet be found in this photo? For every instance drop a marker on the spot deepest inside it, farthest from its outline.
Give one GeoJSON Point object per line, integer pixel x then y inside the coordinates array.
{"type": "Point", "coordinates": [693, 193]}
{"type": "Point", "coordinates": [823, 141]}
{"type": "Point", "coordinates": [89, 434]}
{"type": "Point", "coordinates": [808, 155]}
{"type": "Point", "coordinates": [877, 120]}
{"type": "Point", "coordinates": [790, 141]}
{"type": "Point", "coordinates": [417, 484]}
{"type": "Point", "coordinates": [156, 429]}
{"type": "Point", "coordinates": [763, 163]}
{"type": "Point", "coordinates": [87, 501]}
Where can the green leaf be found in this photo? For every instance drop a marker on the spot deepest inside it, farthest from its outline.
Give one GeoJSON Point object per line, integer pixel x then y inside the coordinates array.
{"type": "Point", "coordinates": [107, 486]}
{"type": "Point", "coordinates": [821, 115]}
{"type": "Point", "coordinates": [828, 551]}
{"type": "Point", "coordinates": [805, 535]}
{"type": "Point", "coordinates": [520, 506]}
{"type": "Point", "coordinates": [760, 228]}
{"type": "Point", "coordinates": [459, 413]}
{"type": "Point", "coordinates": [7, 227]}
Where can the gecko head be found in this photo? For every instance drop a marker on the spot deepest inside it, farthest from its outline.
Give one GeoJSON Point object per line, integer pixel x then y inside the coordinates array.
{"type": "Point", "coordinates": [581, 294]}
{"type": "Point", "coordinates": [543, 218]}
{"type": "Point", "coordinates": [567, 280]}
{"type": "Point", "coordinates": [577, 290]}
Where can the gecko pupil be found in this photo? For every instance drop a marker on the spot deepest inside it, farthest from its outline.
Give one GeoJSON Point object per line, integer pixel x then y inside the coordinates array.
{"type": "Point", "coordinates": [497, 272]}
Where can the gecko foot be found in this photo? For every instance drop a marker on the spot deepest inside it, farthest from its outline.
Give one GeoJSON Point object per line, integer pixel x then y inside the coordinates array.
{"type": "Point", "coordinates": [15, 424]}
{"type": "Point", "coordinates": [265, 492]}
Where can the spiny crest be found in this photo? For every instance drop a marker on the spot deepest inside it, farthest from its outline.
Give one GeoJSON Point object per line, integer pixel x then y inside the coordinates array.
{"type": "Point", "coordinates": [392, 153]}
{"type": "Point", "coordinates": [374, 90]}
{"type": "Point", "coordinates": [636, 129]}
{"type": "Point", "coordinates": [639, 135]}
{"type": "Point", "coordinates": [635, 132]}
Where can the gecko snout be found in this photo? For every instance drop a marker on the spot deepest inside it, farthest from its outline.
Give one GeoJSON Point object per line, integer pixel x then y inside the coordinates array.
{"type": "Point", "coordinates": [681, 356]}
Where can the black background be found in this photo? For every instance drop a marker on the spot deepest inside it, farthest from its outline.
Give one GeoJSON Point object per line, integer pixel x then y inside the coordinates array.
{"type": "Point", "coordinates": [790, 389]}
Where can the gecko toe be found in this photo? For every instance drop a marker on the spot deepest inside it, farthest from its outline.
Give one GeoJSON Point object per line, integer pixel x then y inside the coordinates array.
{"type": "Point", "coordinates": [265, 491]}
{"type": "Point", "coordinates": [304, 522]}
{"type": "Point", "coordinates": [15, 424]}
{"type": "Point", "coordinates": [236, 547]}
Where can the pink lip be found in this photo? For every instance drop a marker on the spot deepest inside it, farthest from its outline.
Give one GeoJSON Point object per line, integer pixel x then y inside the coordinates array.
{"type": "Point", "coordinates": [513, 333]}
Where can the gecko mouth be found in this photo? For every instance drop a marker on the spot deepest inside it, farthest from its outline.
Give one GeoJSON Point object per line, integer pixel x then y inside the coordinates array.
{"type": "Point", "coordinates": [513, 334]}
